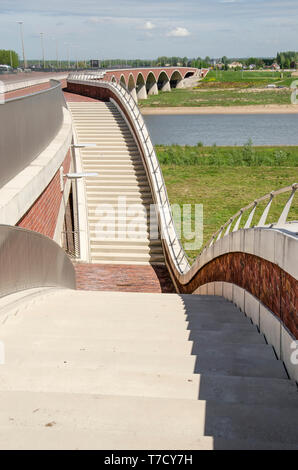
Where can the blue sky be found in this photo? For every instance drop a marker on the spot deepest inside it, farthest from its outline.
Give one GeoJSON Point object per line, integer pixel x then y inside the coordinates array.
{"type": "Point", "coordinates": [149, 28]}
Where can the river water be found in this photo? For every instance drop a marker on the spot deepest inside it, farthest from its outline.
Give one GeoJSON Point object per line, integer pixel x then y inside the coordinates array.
{"type": "Point", "coordinates": [229, 129]}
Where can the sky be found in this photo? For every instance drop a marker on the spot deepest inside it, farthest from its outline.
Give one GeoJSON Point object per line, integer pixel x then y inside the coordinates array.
{"type": "Point", "coordinates": [128, 29]}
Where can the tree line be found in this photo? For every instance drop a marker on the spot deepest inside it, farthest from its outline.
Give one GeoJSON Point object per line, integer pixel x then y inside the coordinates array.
{"type": "Point", "coordinates": [9, 58]}
{"type": "Point", "coordinates": [287, 59]}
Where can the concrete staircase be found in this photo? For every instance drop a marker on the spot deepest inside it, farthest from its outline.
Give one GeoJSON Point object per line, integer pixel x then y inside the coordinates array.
{"type": "Point", "coordinates": [123, 238]}
{"type": "Point", "coordinates": [109, 370]}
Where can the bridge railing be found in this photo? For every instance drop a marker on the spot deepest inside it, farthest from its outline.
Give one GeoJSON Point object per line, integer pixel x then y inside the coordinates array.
{"type": "Point", "coordinates": [167, 225]}
{"type": "Point", "coordinates": [28, 124]}
{"type": "Point", "coordinates": [233, 224]}
{"type": "Point", "coordinates": [87, 76]}
{"type": "Point", "coordinates": [31, 260]}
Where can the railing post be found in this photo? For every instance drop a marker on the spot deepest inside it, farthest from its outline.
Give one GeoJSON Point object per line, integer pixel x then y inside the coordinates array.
{"type": "Point", "coordinates": [264, 216]}
{"type": "Point", "coordinates": [250, 217]}
{"type": "Point", "coordinates": [284, 215]}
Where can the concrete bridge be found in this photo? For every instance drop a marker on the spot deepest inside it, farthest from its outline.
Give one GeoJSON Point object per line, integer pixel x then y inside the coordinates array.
{"type": "Point", "coordinates": [211, 366]}
{"type": "Point", "coordinates": [143, 82]}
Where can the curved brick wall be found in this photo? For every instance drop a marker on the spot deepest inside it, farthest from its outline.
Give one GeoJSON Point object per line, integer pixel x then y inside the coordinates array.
{"type": "Point", "coordinates": [266, 281]}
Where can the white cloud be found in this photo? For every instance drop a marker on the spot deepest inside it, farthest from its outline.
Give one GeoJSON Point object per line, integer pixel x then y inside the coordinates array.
{"type": "Point", "coordinates": [149, 25]}
{"type": "Point", "coordinates": [179, 32]}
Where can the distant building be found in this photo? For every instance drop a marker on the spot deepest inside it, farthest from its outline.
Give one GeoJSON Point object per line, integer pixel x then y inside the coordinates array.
{"type": "Point", "coordinates": [235, 65]}
{"type": "Point", "coordinates": [275, 66]}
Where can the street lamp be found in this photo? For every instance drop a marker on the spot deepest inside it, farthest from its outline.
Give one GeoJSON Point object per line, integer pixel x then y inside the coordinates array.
{"type": "Point", "coordinates": [42, 50]}
{"type": "Point", "coordinates": [22, 39]}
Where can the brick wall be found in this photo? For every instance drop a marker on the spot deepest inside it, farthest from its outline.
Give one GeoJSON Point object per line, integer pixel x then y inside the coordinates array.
{"type": "Point", "coordinates": [42, 215]}
{"type": "Point", "coordinates": [275, 288]}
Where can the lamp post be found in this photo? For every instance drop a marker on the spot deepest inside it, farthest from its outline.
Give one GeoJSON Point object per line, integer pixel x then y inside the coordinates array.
{"type": "Point", "coordinates": [42, 50]}
{"type": "Point", "coordinates": [22, 39]}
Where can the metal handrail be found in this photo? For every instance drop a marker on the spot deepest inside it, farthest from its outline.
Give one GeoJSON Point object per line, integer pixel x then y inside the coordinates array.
{"type": "Point", "coordinates": [226, 228]}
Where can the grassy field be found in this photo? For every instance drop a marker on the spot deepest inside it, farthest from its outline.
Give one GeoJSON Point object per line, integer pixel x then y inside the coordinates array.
{"type": "Point", "coordinates": [224, 188]}
{"type": "Point", "coordinates": [245, 79]}
{"type": "Point", "coordinates": [202, 97]}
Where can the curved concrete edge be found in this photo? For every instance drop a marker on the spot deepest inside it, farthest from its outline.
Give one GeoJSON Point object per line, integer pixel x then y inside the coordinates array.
{"type": "Point", "coordinates": [10, 303]}
{"type": "Point", "coordinates": [7, 87]}
{"type": "Point", "coordinates": [18, 195]}
{"type": "Point", "coordinates": [269, 324]}
{"type": "Point", "coordinates": [272, 245]}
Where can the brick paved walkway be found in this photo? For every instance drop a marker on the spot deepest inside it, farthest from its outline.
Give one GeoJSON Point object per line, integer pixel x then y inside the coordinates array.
{"type": "Point", "coordinates": [123, 278]}
{"type": "Point", "coordinates": [73, 97]}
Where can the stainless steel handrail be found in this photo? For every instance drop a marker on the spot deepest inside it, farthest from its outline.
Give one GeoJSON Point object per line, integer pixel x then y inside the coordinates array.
{"type": "Point", "coordinates": [155, 173]}
{"type": "Point", "coordinates": [28, 124]}
{"type": "Point", "coordinates": [227, 227]}
{"type": "Point", "coordinates": [30, 260]}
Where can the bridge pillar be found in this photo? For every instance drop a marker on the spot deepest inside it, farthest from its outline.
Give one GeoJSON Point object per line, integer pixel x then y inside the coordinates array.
{"type": "Point", "coordinates": [180, 84]}
{"type": "Point", "coordinates": [133, 93]}
{"type": "Point", "coordinates": [153, 90]}
{"type": "Point", "coordinates": [166, 86]}
{"type": "Point", "coordinates": [142, 93]}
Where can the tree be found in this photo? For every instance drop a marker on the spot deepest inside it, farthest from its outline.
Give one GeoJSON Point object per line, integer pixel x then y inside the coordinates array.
{"type": "Point", "coordinates": [9, 58]}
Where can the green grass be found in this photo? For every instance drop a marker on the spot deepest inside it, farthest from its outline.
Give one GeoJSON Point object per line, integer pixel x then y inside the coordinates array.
{"type": "Point", "coordinates": [201, 98]}
{"type": "Point", "coordinates": [224, 189]}
{"type": "Point", "coordinates": [246, 78]}
{"type": "Point", "coordinates": [246, 155]}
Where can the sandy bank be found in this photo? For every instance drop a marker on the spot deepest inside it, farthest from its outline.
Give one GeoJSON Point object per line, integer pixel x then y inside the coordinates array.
{"type": "Point", "coordinates": [261, 109]}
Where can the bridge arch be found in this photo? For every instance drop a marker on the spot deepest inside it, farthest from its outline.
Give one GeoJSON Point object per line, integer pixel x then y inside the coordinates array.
{"type": "Point", "coordinates": [141, 87]}
{"type": "Point", "coordinates": [189, 74]}
{"type": "Point", "coordinates": [151, 84]}
{"type": "Point", "coordinates": [131, 86]}
{"type": "Point", "coordinates": [176, 80]}
{"type": "Point", "coordinates": [122, 80]}
{"type": "Point", "coordinates": [113, 79]}
{"type": "Point", "coordinates": [163, 82]}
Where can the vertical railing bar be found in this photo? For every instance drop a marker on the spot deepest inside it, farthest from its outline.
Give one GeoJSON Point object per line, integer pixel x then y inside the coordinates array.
{"type": "Point", "coordinates": [286, 210]}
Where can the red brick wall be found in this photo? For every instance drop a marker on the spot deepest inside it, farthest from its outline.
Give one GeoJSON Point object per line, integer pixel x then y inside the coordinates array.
{"type": "Point", "coordinates": [275, 288]}
{"type": "Point", "coordinates": [42, 215]}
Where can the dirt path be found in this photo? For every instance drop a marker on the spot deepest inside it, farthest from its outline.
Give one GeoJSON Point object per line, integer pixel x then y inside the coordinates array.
{"type": "Point", "coordinates": [257, 109]}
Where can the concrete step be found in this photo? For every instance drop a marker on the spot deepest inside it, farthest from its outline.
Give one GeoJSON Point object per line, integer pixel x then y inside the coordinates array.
{"type": "Point", "coordinates": [122, 193]}
{"type": "Point", "coordinates": [103, 199]}
{"type": "Point", "coordinates": [219, 389]}
{"type": "Point", "coordinates": [178, 419]}
{"type": "Point", "coordinates": [115, 153]}
{"type": "Point", "coordinates": [97, 248]}
{"type": "Point", "coordinates": [119, 178]}
{"type": "Point", "coordinates": [113, 163]}
{"type": "Point", "coordinates": [129, 257]}
{"type": "Point", "coordinates": [116, 171]}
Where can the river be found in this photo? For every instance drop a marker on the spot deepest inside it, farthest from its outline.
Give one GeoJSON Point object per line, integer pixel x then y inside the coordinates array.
{"type": "Point", "coordinates": [229, 129]}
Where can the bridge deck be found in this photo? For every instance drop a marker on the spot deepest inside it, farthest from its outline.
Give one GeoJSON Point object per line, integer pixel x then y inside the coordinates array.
{"type": "Point", "coordinates": [123, 278]}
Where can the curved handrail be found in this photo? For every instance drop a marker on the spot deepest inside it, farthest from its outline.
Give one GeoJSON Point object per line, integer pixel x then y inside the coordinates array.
{"type": "Point", "coordinates": [168, 229]}
{"type": "Point", "coordinates": [226, 228]}
{"type": "Point", "coordinates": [29, 260]}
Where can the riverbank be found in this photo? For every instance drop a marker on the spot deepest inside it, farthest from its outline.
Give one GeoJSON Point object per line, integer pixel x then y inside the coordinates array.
{"type": "Point", "coordinates": [256, 109]}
